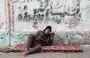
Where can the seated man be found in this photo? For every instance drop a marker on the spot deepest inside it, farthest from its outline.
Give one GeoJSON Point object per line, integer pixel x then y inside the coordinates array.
{"type": "Point", "coordinates": [36, 41]}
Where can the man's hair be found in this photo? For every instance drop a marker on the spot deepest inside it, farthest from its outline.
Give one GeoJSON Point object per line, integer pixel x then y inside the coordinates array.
{"type": "Point", "coordinates": [48, 27]}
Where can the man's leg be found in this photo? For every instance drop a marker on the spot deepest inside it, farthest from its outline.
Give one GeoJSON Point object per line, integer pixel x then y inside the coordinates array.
{"type": "Point", "coordinates": [32, 46]}
{"type": "Point", "coordinates": [29, 42]}
{"type": "Point", "coordinates": [35, 49]}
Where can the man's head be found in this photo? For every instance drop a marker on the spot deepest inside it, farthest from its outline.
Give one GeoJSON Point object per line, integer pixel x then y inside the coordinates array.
{"type": "Point", "coordinates": [48, 30]}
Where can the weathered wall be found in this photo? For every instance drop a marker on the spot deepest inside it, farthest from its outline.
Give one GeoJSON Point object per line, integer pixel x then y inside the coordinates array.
{"type": "Point", "coordinates": [4, 23]}
{"type": "Point", "coordinates": [70, 19]}
{"type": "Point", "coordinates": [60, 14]}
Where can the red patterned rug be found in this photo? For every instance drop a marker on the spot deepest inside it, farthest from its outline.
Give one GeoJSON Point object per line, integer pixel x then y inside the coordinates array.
{"type": "Point", "coordinates": [62, 48]}
{"type": "Point", "coordinates": [54, 48]}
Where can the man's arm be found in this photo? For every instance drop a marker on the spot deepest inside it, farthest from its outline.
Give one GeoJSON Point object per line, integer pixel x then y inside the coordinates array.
{"type": "Point", "coordinates": [51, 39]}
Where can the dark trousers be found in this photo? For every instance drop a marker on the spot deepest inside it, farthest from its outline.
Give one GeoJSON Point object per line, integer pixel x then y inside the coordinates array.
{"type": "Point", "coordinates": [32, 46]}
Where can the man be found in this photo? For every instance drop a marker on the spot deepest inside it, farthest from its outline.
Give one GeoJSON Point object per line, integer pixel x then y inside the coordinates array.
{"type": "Point", "coordinates": [36, 41]}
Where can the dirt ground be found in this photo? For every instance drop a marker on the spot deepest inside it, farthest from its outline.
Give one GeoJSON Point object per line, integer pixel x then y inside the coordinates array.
{"type": "Point", "coordinates": [85, 54]}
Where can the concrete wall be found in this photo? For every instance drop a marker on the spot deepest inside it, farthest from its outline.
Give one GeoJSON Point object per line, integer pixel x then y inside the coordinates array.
{"type": "Point", "coordinates": [70, 19]}
{"type": "Point", "coordinates": [4, 23]}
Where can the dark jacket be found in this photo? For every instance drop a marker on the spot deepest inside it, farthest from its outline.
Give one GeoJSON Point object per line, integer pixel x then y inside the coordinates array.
{"type": "Point", "coordinates": [43, 39]}
{"type": "Point", "coordinates": [40, 38]}
{"type": "Point", "coordinates": [36, 41]}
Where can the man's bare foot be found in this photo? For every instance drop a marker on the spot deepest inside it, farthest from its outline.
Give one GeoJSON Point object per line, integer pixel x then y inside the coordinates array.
{"type": "Point", "coordinates": [25, 53]}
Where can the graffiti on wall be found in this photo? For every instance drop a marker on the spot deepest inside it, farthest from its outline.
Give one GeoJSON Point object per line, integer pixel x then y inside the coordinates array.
{"type": "Point", "coordinates": [41, 11]}
{"type": "Point", "coordinates": [36, 13]}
